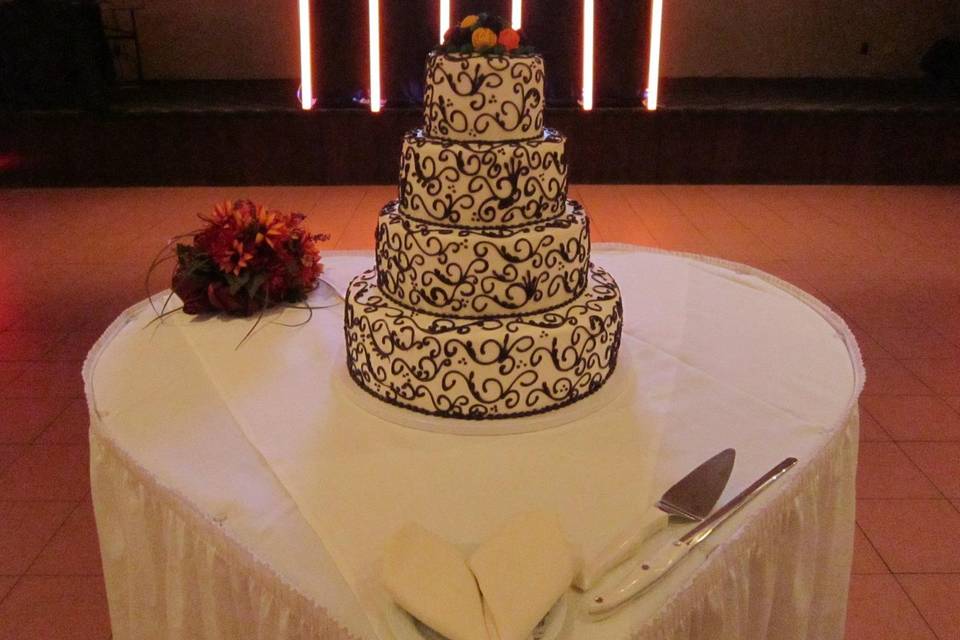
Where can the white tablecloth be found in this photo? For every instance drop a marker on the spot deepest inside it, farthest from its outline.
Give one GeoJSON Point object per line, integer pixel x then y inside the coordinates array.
{"type": "Point", "coordinates": [242, 492]}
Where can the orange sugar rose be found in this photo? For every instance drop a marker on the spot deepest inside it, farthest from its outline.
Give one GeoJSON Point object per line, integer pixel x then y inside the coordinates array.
{"type": "Point", "coordinates": [509, 38]}
{"type": "Point", "coordinates": [484, 38]}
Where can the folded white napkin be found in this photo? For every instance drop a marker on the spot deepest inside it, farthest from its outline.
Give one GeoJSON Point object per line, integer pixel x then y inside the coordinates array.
{"type": "Point", "coordinates": [505, 589]}
{"type": "Point", "coordinates": [428, 577]}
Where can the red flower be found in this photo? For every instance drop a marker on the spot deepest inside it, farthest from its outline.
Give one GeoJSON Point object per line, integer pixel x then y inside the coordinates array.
{"type": "Point", "coordinates": [192, 290]}
{"type": "Point", "coordinates": [451, 34]}
{"type": "Point", "coordinates": [220, 298]}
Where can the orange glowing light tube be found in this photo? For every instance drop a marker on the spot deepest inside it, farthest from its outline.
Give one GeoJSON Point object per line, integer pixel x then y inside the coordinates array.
{"type": "Point", "coordinates": [587, 98]}
{"type": "Point", "coordinates": [306, 62]}
{"type": "Point", "coordinates": [374, 12]}
{"type": "Point", "coordinates": [444, 17]}
{"type": "Point", "coordinates": [653, 65]}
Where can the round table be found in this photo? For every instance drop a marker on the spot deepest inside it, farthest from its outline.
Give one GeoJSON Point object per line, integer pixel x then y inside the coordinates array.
{"type": "Point", "coordinates": [241, 491]}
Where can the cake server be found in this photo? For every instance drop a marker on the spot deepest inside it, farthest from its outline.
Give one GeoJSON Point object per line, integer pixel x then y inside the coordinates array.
{"type": "Point", "coordinates": [690, 499]}
{"type": "Point", "coordinates": [657, 565]}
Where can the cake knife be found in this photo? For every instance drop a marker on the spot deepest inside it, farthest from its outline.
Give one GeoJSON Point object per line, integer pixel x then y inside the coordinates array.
{"type": "Point", "coordinates": [690, 499]}
{"type": "Point", "coordinates": [656, 566]}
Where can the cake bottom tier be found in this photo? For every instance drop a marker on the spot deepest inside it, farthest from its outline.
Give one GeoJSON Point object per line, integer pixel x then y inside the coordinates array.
{"type": "Point", "coordinates": [487, 368]}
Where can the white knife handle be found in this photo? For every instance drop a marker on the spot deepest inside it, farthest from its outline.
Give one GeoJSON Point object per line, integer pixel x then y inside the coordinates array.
{"type": "Point", "coordinates": [645, 574]}
{"type": "Point", "coordinates": [622, 547]}
{"type": "Point", "coordinates": [650, 571]}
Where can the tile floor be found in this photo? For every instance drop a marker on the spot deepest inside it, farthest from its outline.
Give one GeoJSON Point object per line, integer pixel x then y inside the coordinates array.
{"type": "Point", "coordinates": [886, 258]}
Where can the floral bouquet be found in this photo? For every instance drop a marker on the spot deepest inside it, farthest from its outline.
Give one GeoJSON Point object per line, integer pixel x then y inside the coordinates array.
{"type": "Point", "coordinates": [246, 259]}
{"type": "Point", "coordinates": [484, 34]}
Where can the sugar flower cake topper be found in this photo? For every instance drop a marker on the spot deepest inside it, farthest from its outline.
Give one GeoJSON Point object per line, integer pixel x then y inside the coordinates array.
{"type": "Point", "coordinates": [484, 34]}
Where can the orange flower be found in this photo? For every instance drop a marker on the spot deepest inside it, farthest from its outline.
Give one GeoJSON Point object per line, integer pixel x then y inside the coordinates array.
{"type": "Point", "coordinates": [270, 227]}
{"type": "Point", "coordinates": [509, 38]}
{"type": "Point", "coordinates": [483, 38]}
{"type": "Point", "coordinates": [240, 257]}
{"type": "Point", "coordinates": [244, 213]}
{"type": "Point", "coordinates": [469, 21]}
{"type": "Point", "coordinates": [222, 211]}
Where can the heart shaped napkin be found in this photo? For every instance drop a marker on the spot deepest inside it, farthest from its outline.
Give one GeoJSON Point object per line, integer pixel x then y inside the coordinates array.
{"type": "Point", "coordinates": [501, 592]}
{"type": "Point", "coordinates": [428, 577]}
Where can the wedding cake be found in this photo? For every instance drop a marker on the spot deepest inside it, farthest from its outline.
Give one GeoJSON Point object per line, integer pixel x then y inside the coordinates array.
{"type": "Point", "coordinates": [483, 302]}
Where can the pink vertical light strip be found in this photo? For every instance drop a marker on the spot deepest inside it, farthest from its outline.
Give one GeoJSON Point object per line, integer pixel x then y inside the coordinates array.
{"type": "Point", "coordinates": [653, 64]}
{"type": "Point", "coordinates": [587, 97]}
{"type": "Point", "coordinates": [374, 12]}
{"type": "Point", "coordinates": [444, 17]}
{"type": "Point", "coordinates": [516, 14]}
{"type": "Point", "coordinates": [306, 53]}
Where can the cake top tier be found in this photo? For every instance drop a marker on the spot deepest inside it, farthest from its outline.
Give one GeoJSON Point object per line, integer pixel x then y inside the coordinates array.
{"type": "Point", "coordinates": [484, 98]}
{"type": "Point", "coordinates": [484, 84]}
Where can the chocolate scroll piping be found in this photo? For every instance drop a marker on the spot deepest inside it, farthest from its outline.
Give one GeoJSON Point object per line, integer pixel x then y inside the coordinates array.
{"type": "Point", "coordinates": [474, 273]}
{"type": "Point", "coordinates": [478, 184]}
{"type": "Point", "coordinates": [484, 98]}
{"type": "Point", "coordinates": [482, 368]}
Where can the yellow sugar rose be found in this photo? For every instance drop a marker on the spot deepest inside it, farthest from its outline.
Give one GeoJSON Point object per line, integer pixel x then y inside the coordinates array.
{"type": "Point", "coordinates": [468, 22]}
{"type": "Point", "coordinates": [483, 38]}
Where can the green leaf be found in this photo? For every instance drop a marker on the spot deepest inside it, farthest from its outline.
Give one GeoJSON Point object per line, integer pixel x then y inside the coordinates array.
{"type": "Point", "coordinates": [255, 283]}
{"type": "Point", "coordinates": [237, 282]}
{"type": "Point", "coordinates": [185, 254]}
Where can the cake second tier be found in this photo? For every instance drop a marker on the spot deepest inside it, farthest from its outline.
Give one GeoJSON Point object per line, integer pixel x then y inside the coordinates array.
{"type": "Point", "coordinates": [483, 184]}
{"type": "Point", "coordinates": [482, 368]}
{"type": "Point", "coordinates": [476, 273]}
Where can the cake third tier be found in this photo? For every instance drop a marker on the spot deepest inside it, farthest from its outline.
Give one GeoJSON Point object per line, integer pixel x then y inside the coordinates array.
{"type": "Point", "coordinates": [473, 273]}
{"type": "Point", "coordinates": [482, 368]}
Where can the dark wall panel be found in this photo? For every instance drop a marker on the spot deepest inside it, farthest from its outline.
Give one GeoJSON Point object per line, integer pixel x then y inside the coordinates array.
{"type": "Point", "coordinates": [461, 8]}
{"type": "Point", "coordinates": [621, 48]}
{"type": "Point", "coordinates": [555, 28]}
{"type": "Point", "coordinates": [340, 52]}
{"type": "Point", "coordinates": [408, 30]}
{"type": "Point", "coordinates": [341, 146]}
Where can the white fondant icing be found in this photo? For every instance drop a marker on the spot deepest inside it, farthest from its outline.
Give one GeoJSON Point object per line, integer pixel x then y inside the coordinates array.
{"type": "Point", "coordinates": [484, 98]}
{"type": "Point", "coordinates": [469, 273]}
{"type": "Point", "coordinates": [487, 368]}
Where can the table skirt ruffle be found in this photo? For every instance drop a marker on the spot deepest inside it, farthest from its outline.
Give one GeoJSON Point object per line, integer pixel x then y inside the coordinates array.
{"type": "Point", "coordinates": [174, 573]}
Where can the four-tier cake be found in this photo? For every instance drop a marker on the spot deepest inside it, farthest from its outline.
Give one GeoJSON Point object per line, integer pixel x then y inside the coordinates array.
{"type": "Point", "coordinates": [483, 303]}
